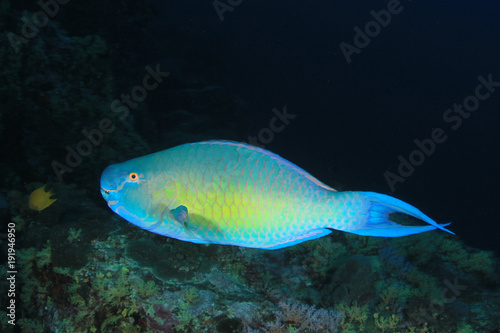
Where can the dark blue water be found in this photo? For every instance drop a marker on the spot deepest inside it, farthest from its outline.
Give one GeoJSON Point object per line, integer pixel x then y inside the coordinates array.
{"type": "Point", "coordinates": [355, 119]}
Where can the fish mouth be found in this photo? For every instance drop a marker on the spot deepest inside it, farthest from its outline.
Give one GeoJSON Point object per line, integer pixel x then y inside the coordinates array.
{"type": "Point", "coordinates": [105, 191]}
{"type": "Point", "coordinates": [108, 196]}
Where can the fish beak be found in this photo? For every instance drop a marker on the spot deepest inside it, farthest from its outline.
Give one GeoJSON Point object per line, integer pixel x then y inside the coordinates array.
{"type": "Point", "coordinates": [108, 181]}
{"type": "Point", "coordinates": [105, 192]}
{"type": "Point", "coordinates": [109, 197]}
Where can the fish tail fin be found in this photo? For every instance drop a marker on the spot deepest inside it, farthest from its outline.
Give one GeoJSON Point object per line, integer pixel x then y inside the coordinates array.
{"type": "Point", "coordinates": [379, 224]}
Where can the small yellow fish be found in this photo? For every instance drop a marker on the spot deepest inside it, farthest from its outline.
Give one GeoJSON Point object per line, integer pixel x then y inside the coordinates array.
{"type": "Point", "coordinates": [40, 199]}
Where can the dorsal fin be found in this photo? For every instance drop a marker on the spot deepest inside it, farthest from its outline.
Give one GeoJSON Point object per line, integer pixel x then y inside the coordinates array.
{"type": "Point", "coordinates": [272, 155]}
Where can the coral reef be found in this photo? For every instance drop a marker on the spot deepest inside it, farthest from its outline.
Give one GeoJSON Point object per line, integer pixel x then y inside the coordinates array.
{"type": "Point", "coordinates": [83, 269]}
{"type": "Point", "coordinates": [296, 317]}
{"type": "Point", "coordinates": [133, 281]}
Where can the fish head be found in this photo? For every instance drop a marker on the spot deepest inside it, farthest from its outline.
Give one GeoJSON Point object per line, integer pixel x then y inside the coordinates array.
{"type": "Point", "coordinates": [131, 191]}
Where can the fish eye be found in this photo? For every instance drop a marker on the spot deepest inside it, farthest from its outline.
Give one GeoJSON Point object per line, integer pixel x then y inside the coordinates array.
{"type": "Point", "coordinates": [133, 176]}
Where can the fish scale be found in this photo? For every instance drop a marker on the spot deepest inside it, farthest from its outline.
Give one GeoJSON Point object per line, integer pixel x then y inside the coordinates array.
{"type": "Point", "coordinates": [236, 194]}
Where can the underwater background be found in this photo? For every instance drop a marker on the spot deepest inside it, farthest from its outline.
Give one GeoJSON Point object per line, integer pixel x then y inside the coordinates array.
{"type": "Point", "coordinates": [396, 97]}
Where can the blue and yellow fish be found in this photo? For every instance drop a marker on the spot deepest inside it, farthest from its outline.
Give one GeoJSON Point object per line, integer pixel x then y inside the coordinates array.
{"type": "Point", "coordinates": [233, 193]}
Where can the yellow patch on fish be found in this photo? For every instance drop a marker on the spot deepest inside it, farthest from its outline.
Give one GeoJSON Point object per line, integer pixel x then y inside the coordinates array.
{"type": "Point", "coordinates": [40, 199]}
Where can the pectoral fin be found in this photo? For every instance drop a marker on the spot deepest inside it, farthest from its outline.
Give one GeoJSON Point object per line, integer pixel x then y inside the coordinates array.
{"type": "Point", "coordinates": [180, 214]}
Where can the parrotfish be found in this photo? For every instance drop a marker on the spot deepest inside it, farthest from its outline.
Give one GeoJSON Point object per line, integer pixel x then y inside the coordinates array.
{"type": "Point", "coordinates": [231, 193]}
